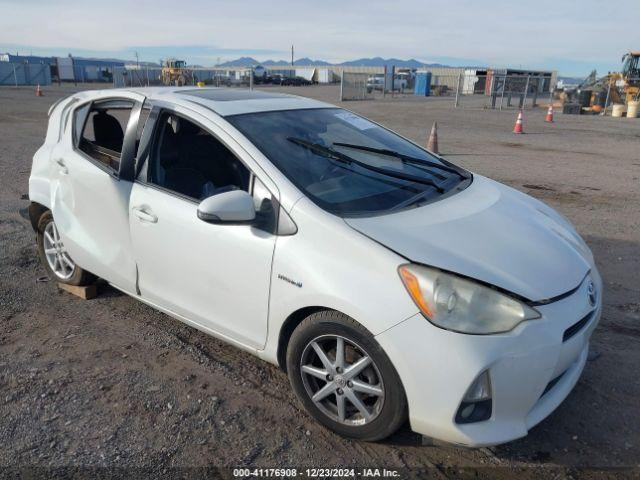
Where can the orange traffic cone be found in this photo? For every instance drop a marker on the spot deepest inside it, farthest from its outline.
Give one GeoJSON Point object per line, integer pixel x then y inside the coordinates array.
{"type": "Point", "coordinates": [549, 117]}
{"type": "Point", "coordinates": [432, 144]}
{"type": "Point", "coordinates": [39, 91]}
{"type": "Point", "coordinates": [518, 126]}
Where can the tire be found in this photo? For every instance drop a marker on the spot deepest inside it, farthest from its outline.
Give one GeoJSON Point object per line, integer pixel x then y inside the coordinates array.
{"type": "Point", "coordinates": [386, 408]}
{"type": "Point", "coordinates": [75, 276]}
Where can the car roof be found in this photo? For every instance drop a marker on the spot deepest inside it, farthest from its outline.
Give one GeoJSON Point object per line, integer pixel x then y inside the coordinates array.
{"type": "Point", "coordinates": [227, 101]}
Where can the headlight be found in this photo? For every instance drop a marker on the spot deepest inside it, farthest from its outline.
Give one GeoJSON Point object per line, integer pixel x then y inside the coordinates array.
{"type": "Point", "coordinates": [461, 305]}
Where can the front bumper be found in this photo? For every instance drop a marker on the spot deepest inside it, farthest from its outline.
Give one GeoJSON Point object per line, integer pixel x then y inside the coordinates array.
{"type": "Point", "coordinates": [532, 369]}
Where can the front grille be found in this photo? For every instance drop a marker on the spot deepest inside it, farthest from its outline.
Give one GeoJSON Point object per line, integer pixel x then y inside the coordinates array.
{"type": "Point", "coordinates": [576, 327]}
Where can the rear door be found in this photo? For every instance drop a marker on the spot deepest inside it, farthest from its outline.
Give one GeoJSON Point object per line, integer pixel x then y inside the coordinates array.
{"type": "Point", "coordinates": [92, 172]}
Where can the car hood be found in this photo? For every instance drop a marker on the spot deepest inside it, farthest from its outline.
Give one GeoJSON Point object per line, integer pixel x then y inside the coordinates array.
{"type": "Point", "coordinates": [492, 233]}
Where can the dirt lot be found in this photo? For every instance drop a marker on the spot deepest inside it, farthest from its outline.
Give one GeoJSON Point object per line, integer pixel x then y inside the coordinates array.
{"type": "Point", "coordinates": [112, 383]}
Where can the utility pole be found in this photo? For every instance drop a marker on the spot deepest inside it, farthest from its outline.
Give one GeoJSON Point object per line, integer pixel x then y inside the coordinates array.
{"type": "Point", "coordinates": [137, 60]}
{"type": "Point", "coordinates": [292, 55]}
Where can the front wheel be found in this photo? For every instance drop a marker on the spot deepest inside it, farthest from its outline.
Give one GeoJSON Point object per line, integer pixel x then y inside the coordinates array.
{"type": "Point", "coordinates": [344, 378]}
{"type": "Point", "coordinates": [54, 255]}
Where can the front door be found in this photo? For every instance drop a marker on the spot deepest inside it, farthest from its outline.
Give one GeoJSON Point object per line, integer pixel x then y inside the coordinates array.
{"type": "Point", "coordinates": [217, 276]}
{"type": "Point", "coordinates": [90, 190]}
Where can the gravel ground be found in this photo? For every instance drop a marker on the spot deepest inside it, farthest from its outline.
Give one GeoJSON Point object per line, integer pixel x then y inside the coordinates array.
{"type": "Point", "coordinates": [112, 383]}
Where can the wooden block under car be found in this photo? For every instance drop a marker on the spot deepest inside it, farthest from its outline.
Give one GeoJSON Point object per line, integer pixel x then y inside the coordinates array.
{"type": "Point", "coordinates": [86, 293]}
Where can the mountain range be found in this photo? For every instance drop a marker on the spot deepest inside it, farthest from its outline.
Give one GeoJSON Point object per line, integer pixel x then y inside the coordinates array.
{"type": "Point", "coordinates": [301, 62]}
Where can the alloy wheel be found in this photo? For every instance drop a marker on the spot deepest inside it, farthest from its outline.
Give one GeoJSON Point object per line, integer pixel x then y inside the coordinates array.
{"type": "Point", "coordinates": [342, 380]}
{"type": "Point", "coordinates": [56, 254]}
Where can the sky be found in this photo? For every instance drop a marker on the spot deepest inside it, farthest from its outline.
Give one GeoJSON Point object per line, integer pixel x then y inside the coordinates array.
{"type": "Point", "coordinates": [572, 37]}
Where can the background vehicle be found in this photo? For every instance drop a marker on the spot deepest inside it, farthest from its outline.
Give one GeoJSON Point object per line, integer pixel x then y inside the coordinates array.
{"type": "Point", "coordinates": [175, 73]}
{"type": "Point", "coordinates": [630, 74]}
{"type": "Point", "coordinates": [374, 83]}
{"type": "Point", "coordinates": [276, 79]}
{"type": "Point", "coordinates": [260, 75]}
{"type": "Point", "coordinates": [295, 81]}
{"type": "Point", "coordinates": [616, 87]}
{"type": "Point", "coordinates": [401, 81]}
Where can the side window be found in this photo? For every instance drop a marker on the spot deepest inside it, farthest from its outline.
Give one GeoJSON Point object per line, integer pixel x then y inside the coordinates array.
{"type": "Point", "coordinates": [102, 133]}
{"type": "Point", "coordinates": [190, 161]}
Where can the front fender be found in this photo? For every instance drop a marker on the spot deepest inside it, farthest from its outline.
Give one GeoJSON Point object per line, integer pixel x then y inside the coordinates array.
{"type": "Point", "coordinates": [327, 264]}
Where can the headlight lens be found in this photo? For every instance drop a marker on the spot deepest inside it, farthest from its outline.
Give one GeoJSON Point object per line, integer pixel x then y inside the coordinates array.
{"type": "Point", "coordinates": [461, 305]}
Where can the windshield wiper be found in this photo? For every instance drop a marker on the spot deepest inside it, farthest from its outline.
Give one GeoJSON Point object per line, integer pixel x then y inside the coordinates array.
{"type": "Point", "coordinates": [328, 152]}
{"type": "Point", "coordinates": [322, 150]}
{"type": "Point", "coordinates": [405, 158]}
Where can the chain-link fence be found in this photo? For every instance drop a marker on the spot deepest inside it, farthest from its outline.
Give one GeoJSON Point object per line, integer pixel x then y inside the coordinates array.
{"type": "Point", "coordinates": [357, 86]}
{"type": "Point", "coordinates": [160, 76]}
{"type": "Point", "coordinates": [493, 91]}
{"type": "Point", "coordinates": [466, 90]}
{"type": "Point", "coordinates": [372, 85]}
{"type": "Point", "coordinates": [25, 74]}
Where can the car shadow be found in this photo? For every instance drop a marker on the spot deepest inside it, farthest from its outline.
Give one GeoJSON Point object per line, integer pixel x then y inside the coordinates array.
{"type": "Point", "coordinates": [105, 290]}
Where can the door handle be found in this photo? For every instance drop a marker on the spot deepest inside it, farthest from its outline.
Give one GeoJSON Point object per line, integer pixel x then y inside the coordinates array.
{"type": "Point", "coordinates": [63, 168]}
{"type": "Point", "coordinates": [144, 216]}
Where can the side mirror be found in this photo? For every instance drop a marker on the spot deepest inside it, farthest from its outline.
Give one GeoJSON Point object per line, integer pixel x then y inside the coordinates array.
{"type": "Point", "coordinates": [233, 207]}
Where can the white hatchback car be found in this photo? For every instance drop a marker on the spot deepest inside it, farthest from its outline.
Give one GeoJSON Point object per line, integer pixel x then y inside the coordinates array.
{"type": "Point", "coordinates": [387, 282]}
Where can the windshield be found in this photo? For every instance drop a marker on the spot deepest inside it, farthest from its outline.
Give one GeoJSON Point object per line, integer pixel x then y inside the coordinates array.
{"type": "Point", "coordinates": [347, 164]}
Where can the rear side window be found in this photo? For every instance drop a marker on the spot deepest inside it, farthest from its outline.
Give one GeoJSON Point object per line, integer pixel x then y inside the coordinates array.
{"type": "Point", "coordinates": [100, 131]}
